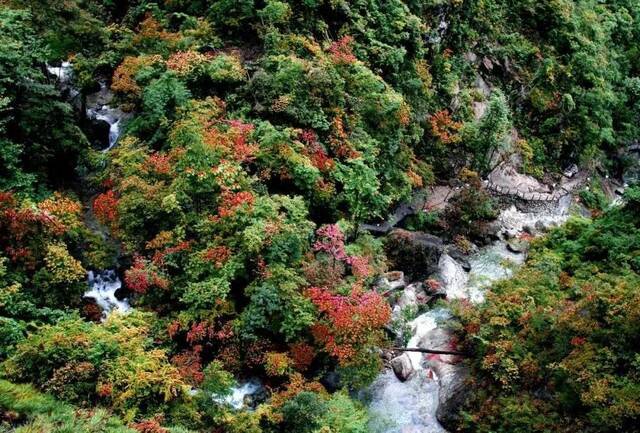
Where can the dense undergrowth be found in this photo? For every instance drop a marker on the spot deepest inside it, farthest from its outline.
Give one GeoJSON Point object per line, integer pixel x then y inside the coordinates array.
{"type": "Point", "coordinates": [262, 133]}
{"type": "Point", "coordinates": [556, 346]}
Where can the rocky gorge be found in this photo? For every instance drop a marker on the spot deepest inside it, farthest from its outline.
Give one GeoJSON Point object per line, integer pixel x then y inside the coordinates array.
{"type": "Point", "coordinates": [423, 392]}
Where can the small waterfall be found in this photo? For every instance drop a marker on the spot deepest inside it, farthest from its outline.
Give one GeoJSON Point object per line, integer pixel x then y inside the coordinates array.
{"type": "Point", "coordinates": [112, 116]}
{"type": "Point", "coordinates": [240, 392]}
{"type": "Point", "coordinates": [98, 107]}
{"type": "Point", "coordinates": [63, 73]}
{"type": "Point", "coordinates": [404, 407]}
{"type": "Point", "coordinates": [102, 111]}
{"type": "Point", "coordinates": [102, 288]}
{"type": "Point", "coordinates": [410, 406]}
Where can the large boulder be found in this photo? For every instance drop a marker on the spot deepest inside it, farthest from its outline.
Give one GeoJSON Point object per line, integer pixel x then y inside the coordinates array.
{"type": "Point", "coordinates": [415, 253]}
{"type": "Point", "coordinates": [452, 377]}
{"type": "Point", "coordinates": [453, 393]}
{"type": "Point", "coordinates": [453, 277]}
{"type": "Point", "coordinates": [97, 131]}
{"type": "Point", "coordinates": [455, 253]}
{"type": "Point", "coordinates": [402, 367]}
{"type": "Point", "coordinates": [507, 177]}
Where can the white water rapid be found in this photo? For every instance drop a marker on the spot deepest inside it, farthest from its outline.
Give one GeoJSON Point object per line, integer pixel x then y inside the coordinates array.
{"type": "Point", "coordinates": [102, 288]}
{"type": "Point", "coordinates": [62, 73]}
{"type": "Point", "coordinates": [98, 108]}
{"type": "Point", "coordinates": [110, 115]}
{"type": "Point", "coordinates": [237, 398]}
{"type": "Point", "coordinates": [410, 406]}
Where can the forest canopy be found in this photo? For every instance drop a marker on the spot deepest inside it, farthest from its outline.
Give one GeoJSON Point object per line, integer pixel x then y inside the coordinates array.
{"type": "Point", "coordinates": [249, 142]}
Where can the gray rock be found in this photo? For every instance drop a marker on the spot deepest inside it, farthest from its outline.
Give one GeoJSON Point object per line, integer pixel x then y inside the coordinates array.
{"type": "Point", "coordinates": [408, 298]}
{"type": "Point", "coordinates": [517, 246]}
{"type": "Point", "coordinates": [415, 253]}
{"type": "Point", "coordinates": [452, 377]}
{"type": "Point", "coordinates": [390, 281]}
{"type": "Point", "coordinates": [541, 226]}
{"type": "Point", "coordinates": [453, 277]}
{"type": "Point", "coordinates": [459, 257]}
{"type": "Point", "coordinates": [402, 367]}
{"type": "Point", "coordinates": [331, 381]}
{"type": "Point", "coordinates": [571, 171]}
{"type": "Point", "coordinates": [470, 56]}
{"type": "Point", "coordinates": [98, 132]}
{"type": "Point", "coordinates": [453, 394]}
{"type": "Point", "coordinates": [509, 234]}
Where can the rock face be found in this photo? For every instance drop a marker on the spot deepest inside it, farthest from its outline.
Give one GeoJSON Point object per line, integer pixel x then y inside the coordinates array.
{"type": "Point", "coordinates": [415, 253]}
{"type": "Point", "coordinates": [402, 367]}
{"type": "Point", "coordinates": [517, 246]}
{"type": "Point", "coordinates": [409, 298]}
{"type": "Point", "coordinates": [459, 257]}
{"type": "Point", "coordinates": [507, 176]}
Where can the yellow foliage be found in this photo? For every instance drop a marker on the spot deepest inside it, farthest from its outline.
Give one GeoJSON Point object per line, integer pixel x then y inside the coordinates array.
{"type": "Point", "coordinates": [277, 364]}
{"type": "Point", "coordinates": [65, 209]}
{"type": "Point", "coordinates": [62, 267]}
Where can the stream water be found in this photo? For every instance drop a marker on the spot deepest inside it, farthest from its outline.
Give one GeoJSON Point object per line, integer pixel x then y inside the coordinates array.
{"type": "Point", "coordinates": [410, 406]}
{"type": "Point", "coordinates": [102, 288]}
{"type": "Point", "coordinates": [102, 284]}
{"type": "Point", "coordinates": [98, 108]}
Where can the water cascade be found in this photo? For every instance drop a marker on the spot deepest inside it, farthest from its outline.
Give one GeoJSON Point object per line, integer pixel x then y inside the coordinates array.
{"type": "Point", "coordinates": [102, 288]}
{"type": "Point", "coordinates": [237, 399]}
{"type": "Point", "coordinates": [98, 103]}
{"type": "Point", "coordinates": [98, 108]}
{"type": "Point", "coordinates": [411, 406]}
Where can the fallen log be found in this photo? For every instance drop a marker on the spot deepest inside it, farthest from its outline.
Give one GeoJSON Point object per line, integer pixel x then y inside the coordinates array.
{"type": "Point", "coordinates": [432, 351]}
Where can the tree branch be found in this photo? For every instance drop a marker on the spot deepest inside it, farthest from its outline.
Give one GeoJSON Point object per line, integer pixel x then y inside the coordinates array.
{"type": "Point", "coordinates": [434, 351]}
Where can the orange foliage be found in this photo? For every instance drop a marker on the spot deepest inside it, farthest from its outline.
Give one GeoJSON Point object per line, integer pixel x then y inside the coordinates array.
{"type": "Point", "coordinates": [231, 201]}
{"type": "Point", "coordinates": [339, 140]}
{"type": "Point", "coordinates": [217, 255]}
{"type": "Point", "coordinates": [124, 76]}
{"type": "Point", "coordinates": [142, 276]}
{"type": "Point", "coordinates": [105, 390]}
{"type": "Point", "coordinates": [444, 128]}
{"type": "Point", "coordinates": [359, 266]}
{"type": "Point", "coordinates": [189, 365]}
{"type": "Point", "coordinates": [149, 426]}
{"type": "Point", "coordinates": [276, 363]}
{"type": "Point", "coordinates": [185, 62]}
{"type": "Point", "coordinates": [150, 29]}
{"type": "Point", "coordinates": [297, 384]}
{"type": "Point", "coordinates": [234, 142]}
{"type": "Point", "coordinates": [159, 256]}
{"type": "Point", "coordinates": [158, 163]}
{"type": "Point", "coordinates": [404, 114]}
{"type": "Point", "coordinates": [162, 238]}
{"type": "Point", "coordinates": [63, 208]}
{"type": "Point", "coordinates": [22, 228]}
